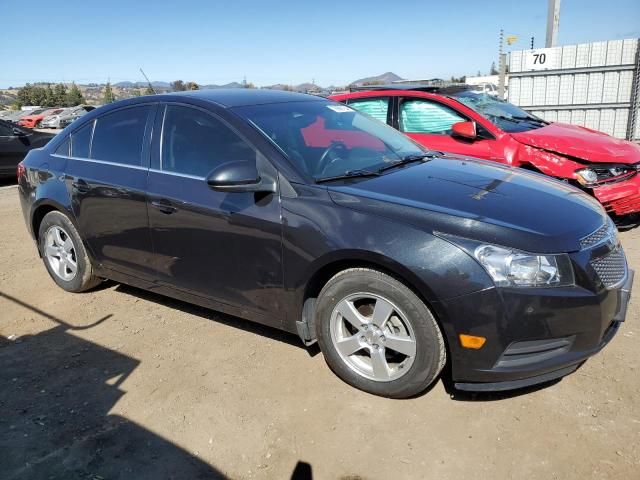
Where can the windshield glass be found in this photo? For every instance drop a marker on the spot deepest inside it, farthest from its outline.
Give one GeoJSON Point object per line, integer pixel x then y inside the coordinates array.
{"type": "Point", "coordinates": [327, 139]}
{"type": "Point", "coordinates": [505, 115]}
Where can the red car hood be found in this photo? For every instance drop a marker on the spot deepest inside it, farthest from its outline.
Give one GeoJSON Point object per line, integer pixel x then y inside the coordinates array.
{"type": "Point", "coordinates": [580, 142]}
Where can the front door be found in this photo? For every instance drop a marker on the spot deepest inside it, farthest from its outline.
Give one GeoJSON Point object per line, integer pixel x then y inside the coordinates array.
{"type": "Point", "coordinates": [429, 123]}
{"type": "Point", "coordinates": [223, 246]}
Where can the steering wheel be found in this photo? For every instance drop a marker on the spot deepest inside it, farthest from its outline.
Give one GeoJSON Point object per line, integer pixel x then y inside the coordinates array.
{"type": "Point", "coordinates": [326, 159]}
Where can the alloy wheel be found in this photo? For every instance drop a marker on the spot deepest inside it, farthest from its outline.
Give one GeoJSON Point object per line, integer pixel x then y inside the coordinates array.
{"type": "Point", "coordinates": [373, 337]}
{"type": "Point", "coordinates": [60, 253]}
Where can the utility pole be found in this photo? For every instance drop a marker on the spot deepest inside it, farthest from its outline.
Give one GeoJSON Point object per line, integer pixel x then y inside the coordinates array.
{"type": "Point", "coordinates": [532, 38]}
{"type": "Point", "coordinates": [553, 23]}
{"type": "Point", "coordinates": [501, 66]}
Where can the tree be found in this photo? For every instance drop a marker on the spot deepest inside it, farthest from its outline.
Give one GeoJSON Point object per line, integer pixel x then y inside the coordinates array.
{"type": "Point", "coordinates": [135, 92]}
{"type": "Point", "coordinates": [149, 91]}
{"type": "Point", "coordinates": [192, 86]}
{"type": "Point", "coordinates": [178, 86]}
{"type": "Point", "coordinates": [49, 100]}
{"type": "Point", "coordinates": [60, 95]}
{"type": "Point", "coordinates": [108, 94]}
{"type": "Point", "coordinates": [74, 96]}
{"type": "Point", "coordinates": [493, 70]}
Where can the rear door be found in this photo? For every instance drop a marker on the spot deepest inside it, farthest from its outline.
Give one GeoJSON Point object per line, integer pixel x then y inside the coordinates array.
{"type": "Point", "coordinates": [429, 123]}
{"type": "Point", "coordinates": [107, 175]}
{"type": "Point", "coordinates": [223, 246]}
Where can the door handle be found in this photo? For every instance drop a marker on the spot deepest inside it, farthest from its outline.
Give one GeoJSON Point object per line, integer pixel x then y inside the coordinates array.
{"type": "Point", "coordinates": [164, 206]}
{"type": "Point", "coordinates": [81, 186]}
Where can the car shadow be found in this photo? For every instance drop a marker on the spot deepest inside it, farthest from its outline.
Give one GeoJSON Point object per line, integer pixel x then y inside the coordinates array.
{"type": "Point", "coordinates": [229, 320]}
{"type": "Point", "coordinates": [57, 392]}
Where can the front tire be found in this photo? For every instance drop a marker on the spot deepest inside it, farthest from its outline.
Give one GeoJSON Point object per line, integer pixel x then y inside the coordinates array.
{"type": "Point", "coordinates": [64, 255]}
{"type": "Point", "coordinates": [377, 335]}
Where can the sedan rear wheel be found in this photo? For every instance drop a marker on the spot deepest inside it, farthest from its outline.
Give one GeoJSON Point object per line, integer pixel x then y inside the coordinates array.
{"type": "Point", "coordinates": [64, 254]}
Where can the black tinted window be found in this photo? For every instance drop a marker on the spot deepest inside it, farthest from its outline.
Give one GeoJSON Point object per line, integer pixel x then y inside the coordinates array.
{"type": "Point", "coordinates": [194, 142]}
{"type": "Point", "coordinates": [118, 136]}
{"type": "Point", "coordinates": [63, 148]}
{"type": "Point", "coordinates": [5, 130]}
{"type": "Point", "coordinates": [80, 140]}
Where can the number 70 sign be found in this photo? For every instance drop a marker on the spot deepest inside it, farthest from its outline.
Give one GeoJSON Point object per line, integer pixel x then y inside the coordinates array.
{"type": "Point", "coordinates": [541, 59]}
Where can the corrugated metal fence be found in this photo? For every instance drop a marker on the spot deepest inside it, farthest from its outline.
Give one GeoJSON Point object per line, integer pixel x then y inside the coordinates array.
{"type": "Point", "coordinates": [595, 85]}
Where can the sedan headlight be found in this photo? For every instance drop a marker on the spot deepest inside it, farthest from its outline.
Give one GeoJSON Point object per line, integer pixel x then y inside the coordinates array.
{"type": "Point", "coordinates": [595, 175]}
{"type": "Point", "coordinates": [512, 268]}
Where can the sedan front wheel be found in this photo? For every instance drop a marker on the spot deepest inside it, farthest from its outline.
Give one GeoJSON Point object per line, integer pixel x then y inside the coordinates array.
{"type": "Point", "coordinates": [377, 335]}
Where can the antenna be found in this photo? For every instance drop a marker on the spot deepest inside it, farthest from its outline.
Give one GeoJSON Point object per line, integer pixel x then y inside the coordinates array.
{"type": "Point", "coordinates": [147, 78]}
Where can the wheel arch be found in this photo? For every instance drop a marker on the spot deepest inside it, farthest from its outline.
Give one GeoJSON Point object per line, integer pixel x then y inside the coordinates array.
{"type": "Point", "coordinates": [331, 266]}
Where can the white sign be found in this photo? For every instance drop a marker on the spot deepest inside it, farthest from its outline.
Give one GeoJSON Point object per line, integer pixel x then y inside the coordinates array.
{"type": "Point", "coordinates": [541, 59]}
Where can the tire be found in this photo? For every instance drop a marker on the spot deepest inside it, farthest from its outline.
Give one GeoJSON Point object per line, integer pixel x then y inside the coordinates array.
{"type": "Point", "coordinates": [390, 315]}
{"type": "Point", "coordinates": [64, 254]}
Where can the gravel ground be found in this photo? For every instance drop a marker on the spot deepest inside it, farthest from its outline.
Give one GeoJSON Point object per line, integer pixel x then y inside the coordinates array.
{"type": "Point", "coordinates": [121, 383]}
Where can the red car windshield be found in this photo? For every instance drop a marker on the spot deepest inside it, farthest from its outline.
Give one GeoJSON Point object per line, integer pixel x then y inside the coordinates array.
{"type": "Point", "coordinates": [505, 115]}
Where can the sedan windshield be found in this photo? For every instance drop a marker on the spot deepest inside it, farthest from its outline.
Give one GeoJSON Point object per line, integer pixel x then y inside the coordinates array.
{"type": "Point", "coordinates": [505, 115]}
{"type": "Point", "coordinates": [327, 139]}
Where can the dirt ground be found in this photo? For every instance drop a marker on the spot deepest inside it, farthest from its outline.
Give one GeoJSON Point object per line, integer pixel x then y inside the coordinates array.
{"type": "Point", "coordinates": [121, 383]}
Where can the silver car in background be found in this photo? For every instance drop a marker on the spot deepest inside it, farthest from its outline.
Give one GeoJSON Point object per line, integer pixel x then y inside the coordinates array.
{"type": "Point", "coordinates": [65, 117]}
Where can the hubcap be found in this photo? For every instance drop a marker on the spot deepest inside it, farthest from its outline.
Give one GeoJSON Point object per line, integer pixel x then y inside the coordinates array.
{"type": "Point", "coordinates": [373, 337]}
{"type": "Point", "coordinates": [60, 253]}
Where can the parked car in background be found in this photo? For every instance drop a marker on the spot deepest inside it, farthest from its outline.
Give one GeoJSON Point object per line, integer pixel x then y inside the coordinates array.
{"type": "Point", "coordinates": [65, 117]}
{"type": "Point", "coordinates": [459, 120]}
{"type": "Point", "coordinates": [33, 119]}
{"type": "Point", "coordinates": [15, 143]}
{"type": "Point", "coordinates": [305, 215]}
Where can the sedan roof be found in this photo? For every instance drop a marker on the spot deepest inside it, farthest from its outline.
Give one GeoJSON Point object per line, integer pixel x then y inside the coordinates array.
{"type": "Point", "coordinates": [237, 97]}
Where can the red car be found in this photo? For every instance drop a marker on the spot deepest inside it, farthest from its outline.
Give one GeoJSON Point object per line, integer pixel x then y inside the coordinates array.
{"type": "Point", "coordinates": [32, 121]}
{"type": "Point", "coordinates": [459, 120]}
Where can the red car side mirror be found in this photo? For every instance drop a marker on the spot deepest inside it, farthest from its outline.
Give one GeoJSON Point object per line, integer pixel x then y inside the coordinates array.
{"type": "Point", "coordinates": [465, 130]}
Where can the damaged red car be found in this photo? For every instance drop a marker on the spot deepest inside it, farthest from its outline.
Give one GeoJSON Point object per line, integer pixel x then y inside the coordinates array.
{"type": "Point", "coordinates": [458, 120]}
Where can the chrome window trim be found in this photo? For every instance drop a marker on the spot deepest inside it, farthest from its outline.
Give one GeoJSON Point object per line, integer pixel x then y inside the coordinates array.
{"type": "Point", "coordinates": [103, 162]}
{"type": "Point", "coordinates": [176, 174]}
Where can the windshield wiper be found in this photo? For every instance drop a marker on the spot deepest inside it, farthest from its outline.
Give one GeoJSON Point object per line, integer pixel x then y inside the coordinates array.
{"type": "Point", "coordinates": [349, 174]}
{"type": "Point", "coordinates": [422, 157]}
{"type": "Point", "coordinates": [531, 119]}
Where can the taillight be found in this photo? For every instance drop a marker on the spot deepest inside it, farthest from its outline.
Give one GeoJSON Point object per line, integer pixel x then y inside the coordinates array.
{"type": "Point", "coordinates": [21, 171]}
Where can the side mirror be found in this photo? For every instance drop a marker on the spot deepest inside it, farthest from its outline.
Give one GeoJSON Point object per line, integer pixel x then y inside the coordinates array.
{"type": "Point", "coordinates": [238, 176]}
{"type": "Point", "coordinates": [465, 130]}
{"type": "Point", "coordinates": [18, 133]}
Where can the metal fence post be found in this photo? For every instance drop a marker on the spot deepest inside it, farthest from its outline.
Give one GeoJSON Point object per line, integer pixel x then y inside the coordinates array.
{"type": "Point", "coordinates": [635, 99]}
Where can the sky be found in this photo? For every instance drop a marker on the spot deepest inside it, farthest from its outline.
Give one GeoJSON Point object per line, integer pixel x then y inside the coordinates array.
{"type": "Point", "coordinates": [333, 42]}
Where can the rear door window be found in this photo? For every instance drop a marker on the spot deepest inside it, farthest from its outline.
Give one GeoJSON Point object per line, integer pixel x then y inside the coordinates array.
{"type": "Point", "coordinates": [377, 108]}
{"type": "Point", "coordinates": [118, 137]}
{"type": "Point", "coordinates": [423, 116]}
{"type": "Point", "coordinates": [81, 141]}
{"type": "Point", "coordinates": [63, 148]}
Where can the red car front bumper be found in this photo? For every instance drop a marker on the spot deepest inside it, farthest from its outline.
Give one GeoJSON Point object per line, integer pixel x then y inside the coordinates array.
{"type": "Point", "coordinates": [620, 198]}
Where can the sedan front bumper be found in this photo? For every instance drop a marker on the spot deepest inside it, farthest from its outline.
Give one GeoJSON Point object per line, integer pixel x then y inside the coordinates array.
{"type": "Point", "coordinates": [537, 336]}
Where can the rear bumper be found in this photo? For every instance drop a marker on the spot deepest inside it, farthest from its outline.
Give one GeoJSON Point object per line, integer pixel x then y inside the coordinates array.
{"type": "Point", "coordinates": [535, 338]}
{"type": "Point", "coordinates": [622, 198]}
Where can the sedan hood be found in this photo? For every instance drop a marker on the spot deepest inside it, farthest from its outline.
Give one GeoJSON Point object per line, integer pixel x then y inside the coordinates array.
{"type": "Point", "coordinates": [581, 143]}
{"type": "Point", "coordinates": [479, 200]}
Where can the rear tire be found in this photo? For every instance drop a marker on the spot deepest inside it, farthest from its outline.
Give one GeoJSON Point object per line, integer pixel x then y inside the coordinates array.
{"type": "Point", "coordinates": [377, 335]}
{"type": "Point", "coordinates": [64, 255]}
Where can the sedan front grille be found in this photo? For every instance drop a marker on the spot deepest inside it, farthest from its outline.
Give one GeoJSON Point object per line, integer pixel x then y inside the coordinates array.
{"type": "Point", "coordinates": [600, 235]}
{"type": "Point", "coordinates": [612, 268]}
